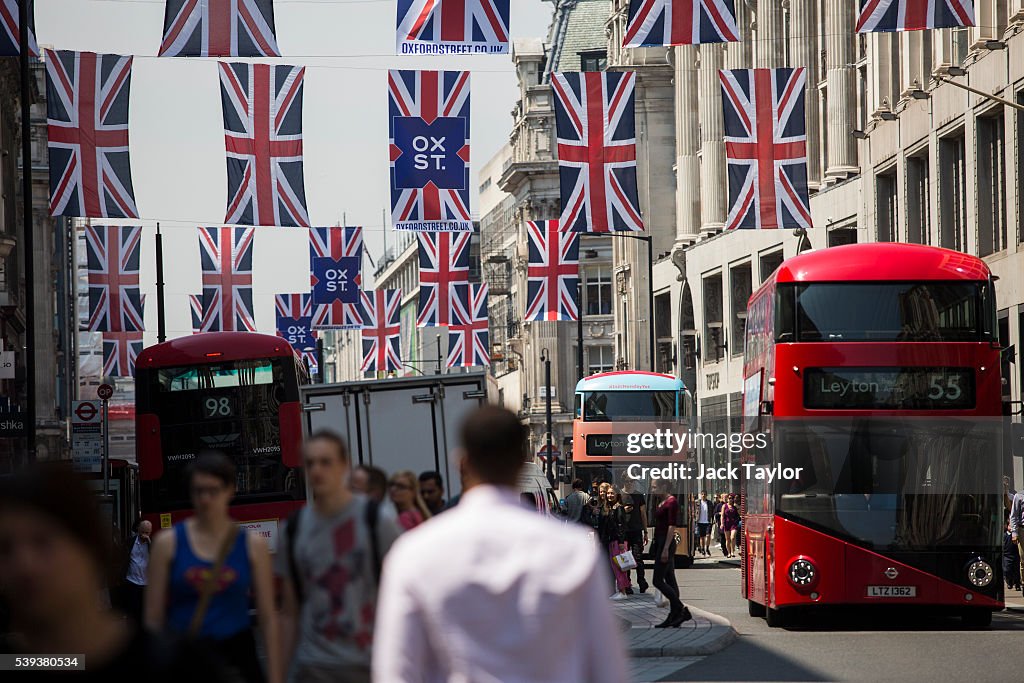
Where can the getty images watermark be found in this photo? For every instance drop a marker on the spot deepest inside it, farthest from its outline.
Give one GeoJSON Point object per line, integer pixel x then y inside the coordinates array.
{"type": "Point", "coordinates": [667, 442]}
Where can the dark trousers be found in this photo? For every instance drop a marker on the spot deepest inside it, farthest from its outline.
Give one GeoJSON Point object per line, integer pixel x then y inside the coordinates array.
{"type": "Point", "coordinates": [636, 544]}
{"type": "Point", "coordinates": [129, 600]}
{"type": "Point", "coordinates": [665, 573]}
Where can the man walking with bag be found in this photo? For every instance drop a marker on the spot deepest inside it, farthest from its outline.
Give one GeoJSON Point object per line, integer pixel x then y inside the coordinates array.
{"type": "Point", "coordinates": [329, 558]}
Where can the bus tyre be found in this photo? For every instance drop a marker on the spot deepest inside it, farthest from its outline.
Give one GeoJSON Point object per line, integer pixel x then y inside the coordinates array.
{"type": "Point", "coordinates": [776, 618]}
{"type": "Point", "coordinates": [755, 609]}
{"type": "Point", "coordinates": [977, 619]}
{"type": "Point", "coordinates": [684, 561]}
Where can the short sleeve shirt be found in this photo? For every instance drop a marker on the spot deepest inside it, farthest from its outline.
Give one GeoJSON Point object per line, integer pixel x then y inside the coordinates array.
{"type": "Point", "coordinates": [334, 559]}
{"type": "Point", "coordinates": [666, 516]}
{"type": "Point", "coordinates": [636, 522]}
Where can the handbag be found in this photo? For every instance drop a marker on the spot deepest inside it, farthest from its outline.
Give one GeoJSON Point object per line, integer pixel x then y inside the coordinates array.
{"type": "Point", "coordinates": [210, 584]}
{"type": "Point", "coordinates": [625, 561]}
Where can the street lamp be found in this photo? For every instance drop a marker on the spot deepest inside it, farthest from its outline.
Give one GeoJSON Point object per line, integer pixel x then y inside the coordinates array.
{"type": "Point", "coordinates": [545, 356]}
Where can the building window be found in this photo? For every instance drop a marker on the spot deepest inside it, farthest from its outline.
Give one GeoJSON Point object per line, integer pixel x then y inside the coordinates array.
{"type": "Point", "coordinates": [740, 286]}
{"type": "Point", "coordinates": [961, 45]}
{"type": "Point", "coordinates": [1003, 328]}
{"type": "Point", "coordinates": [714, 338]}
{"type": "Point", "coordinates": [600, 359]}
{"type": "Point", "coordinates": [474, 257]}
{"type": "Point", "coordinates": [840, 236]}
{"type": "Point", "coordinates": [663, 333]}
{"type": "Point", "coordinates": [1020, 180]}
{"type": "Point", "coordinates": [596, 60]}
{"type": "Point", "coordinates": [599, 292]}
{"type": "Point", "coordinates": [885, 206]}
{"type": "Point", "coordinates": [770, 263]}
{"type": "Point", "coordinates": [991, 184]}
{"type": "Point", "coordinates": [953, 192]}
{"type": "Point", "coordinates": [919, 227]}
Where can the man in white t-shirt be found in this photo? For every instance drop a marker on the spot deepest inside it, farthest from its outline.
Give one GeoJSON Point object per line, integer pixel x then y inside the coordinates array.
{"type": "Point", "coordinates": [704, 524]}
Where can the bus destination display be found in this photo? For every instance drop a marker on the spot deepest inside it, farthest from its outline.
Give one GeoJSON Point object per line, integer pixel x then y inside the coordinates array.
{"type": "Point", "coordinates": [904, 388]}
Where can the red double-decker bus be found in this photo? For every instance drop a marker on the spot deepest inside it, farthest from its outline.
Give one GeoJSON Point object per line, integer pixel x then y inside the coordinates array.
{"type": "Point", "coordinates": [875, 370]}
{"type": "Point", "coordinates": [235, 392]}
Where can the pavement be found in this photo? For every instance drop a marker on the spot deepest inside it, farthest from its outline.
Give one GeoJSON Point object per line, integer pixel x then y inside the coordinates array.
{"type": "Point", "coordinates": [705, 634]}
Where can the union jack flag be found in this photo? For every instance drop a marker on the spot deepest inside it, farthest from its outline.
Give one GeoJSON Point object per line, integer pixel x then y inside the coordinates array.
{"type": "Point", "coordinates": [553, 272]}
{"type": "Point", "coordinates": [112, 266]}
{"type": "Point", "coordinates": [595, 120]}
{"type": "Point", "coordinates": [10, 29]}
{"type": "Point", "coordinates": [87, 117]}
{"type": "Point", "coordinates": [219, 28]}
{"type": "Point", "coordinates": [382, 331]}
{"type": "Point", "coordinates": [120, 349]}
{"type": "Point", "coordinates": [226, 303]}
{"type": "Point", "coordinates": [340, 250]}
{"type": "Point", "coordinates": [311, 361]}
{"type": "Point", "coordinates": [444, 261]}
{"type": "Point", "coordinates": [294, 318]}
{"type": "Point", "coordinates": [468, 336]}
{"type": "Point", "coordinates": [680, 22]}
{"type": "Point", "coordinates": [886, 16]}
{"type": "Point", "coordinates": [263, 140]}
{"type": "Point", "coordinates": [766, 148]}
{"type": "Point", "coordinates": [429, 129]}
{"type": "Point", "coordinates": [447, 24]}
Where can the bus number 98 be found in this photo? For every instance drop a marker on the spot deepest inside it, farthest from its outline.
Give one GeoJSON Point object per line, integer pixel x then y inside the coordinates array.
{"type": "Point", "coordinates": [217, 407]}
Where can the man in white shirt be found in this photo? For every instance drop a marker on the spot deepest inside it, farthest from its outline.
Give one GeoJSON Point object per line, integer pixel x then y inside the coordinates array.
{"type": "Point", "coordinates": [704, 523]}
{"type": "Point", "coordinates": [490, 592]}
{"type": "Point", "coordinates": [134, 585]}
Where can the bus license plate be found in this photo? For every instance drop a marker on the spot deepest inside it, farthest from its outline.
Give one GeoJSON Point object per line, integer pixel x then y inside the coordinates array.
{"type": "Point", "coordinates": [892, 591]}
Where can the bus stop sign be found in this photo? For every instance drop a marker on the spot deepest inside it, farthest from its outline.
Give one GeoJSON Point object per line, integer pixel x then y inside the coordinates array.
{"type": "Point", "coordinates": [105, 391]}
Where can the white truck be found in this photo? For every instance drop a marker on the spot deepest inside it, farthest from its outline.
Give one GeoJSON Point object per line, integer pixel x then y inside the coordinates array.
{"type": "Point", "coordinates": [408, 423]}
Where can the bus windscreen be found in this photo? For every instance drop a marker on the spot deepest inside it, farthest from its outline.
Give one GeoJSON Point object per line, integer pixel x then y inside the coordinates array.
{"type": "Point", "coordinates": [629, 406]}
{"type": "Point", "coordinates": [883, 312]}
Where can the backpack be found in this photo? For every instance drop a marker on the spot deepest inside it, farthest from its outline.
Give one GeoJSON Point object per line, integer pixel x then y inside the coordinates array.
{"type": "Point", "coordinates": [370, 516]}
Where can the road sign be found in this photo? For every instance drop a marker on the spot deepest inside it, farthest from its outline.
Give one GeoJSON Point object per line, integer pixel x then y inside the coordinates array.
{"type": "Point", "coordinates": [86, 436]}
{"type": "Point", "coordinates": [7, 365]}
{"type": "Point", "coordinates": [105, 391]}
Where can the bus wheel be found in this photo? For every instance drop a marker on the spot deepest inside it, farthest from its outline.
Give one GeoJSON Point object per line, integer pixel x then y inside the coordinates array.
{"type": "Point", "coordinates": [776, 618]}
{"type": "Point", "coordinates": [977, 619]}
{"type": "Point", "coordinates": [755, 609]}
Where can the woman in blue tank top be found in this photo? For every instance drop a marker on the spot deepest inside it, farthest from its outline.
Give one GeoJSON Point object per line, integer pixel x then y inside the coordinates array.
{"type": "Point", "coordinates": [181, 570]}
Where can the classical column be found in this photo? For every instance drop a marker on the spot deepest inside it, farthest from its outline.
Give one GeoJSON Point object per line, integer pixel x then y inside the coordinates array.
{"type": "Point", "coordinates": [803, 47]}
{"type": "Point", "coordinates": [712, 136]}
{"type": "Point", "coordinates": [770, 36]}
{"type": "Point", "coordinates": [842, 88]}
{"type": "Point", "coordinates": [688, 188]}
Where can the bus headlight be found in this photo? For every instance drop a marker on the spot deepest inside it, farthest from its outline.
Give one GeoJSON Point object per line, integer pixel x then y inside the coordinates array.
{"type": "Point", "coordinates": [802, 573]}
{"type": "Point", "coordinates": [979, 573]}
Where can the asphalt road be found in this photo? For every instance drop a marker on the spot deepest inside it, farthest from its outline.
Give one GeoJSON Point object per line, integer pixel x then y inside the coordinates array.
{"type": "Point", "coordinates": [848, 645]}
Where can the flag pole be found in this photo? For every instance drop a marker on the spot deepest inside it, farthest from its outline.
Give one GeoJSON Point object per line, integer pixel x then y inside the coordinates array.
{"type": "Point", "coordinates": [28, 235]}
{"type": "Point", "coordinates": [161, 321]}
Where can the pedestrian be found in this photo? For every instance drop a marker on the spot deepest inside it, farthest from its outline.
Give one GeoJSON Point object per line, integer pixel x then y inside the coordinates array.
{"type": "Point", "coordinates": [717, 518]}
{"type": "Point", "coordinates": [576, 502]}
{"type": "Point", "coordinates": [329, 563]}
{"type": "Point", "coordinates": [432, 492]}
{"type": "Point", "coordinates": [612, 533]}
{"type": "Point", "coordinates": [370, 481]}
{"type": "Point", "coordinates": [54, 554]}
{"type": "Point", "coordinates": [705, 515]}
{"type": "Point", "coordinates": [636, 528]}
{"type": "Point", "coordinates": [404, 491]}
{"type": "Point", "coordinates": [1017, 525]}
{"type": "Point", "coordinates": [663, 549]}
{"type": "Point", "coordinates": [458, 604]}
{"type": "Point", "coordinates": [730, 524]}
{"type": "Point", "coordinates": [1011, 559]}
{"type": "Point", "coordinates": [203, 571]}
{"type": "Point", "coordinates": [133, 588]}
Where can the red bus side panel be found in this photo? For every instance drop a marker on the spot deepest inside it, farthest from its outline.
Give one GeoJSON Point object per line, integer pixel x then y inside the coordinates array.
{"type": "Point", "coordinates": [148, 451]}
{"type": "Point", "coordinates": [290, 418]}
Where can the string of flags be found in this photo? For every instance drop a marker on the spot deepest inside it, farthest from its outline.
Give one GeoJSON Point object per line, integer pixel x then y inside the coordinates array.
{"type": "Point", "coordinates": [88, 98]}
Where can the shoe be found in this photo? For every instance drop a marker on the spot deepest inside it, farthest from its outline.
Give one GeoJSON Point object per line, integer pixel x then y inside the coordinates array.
{"type": "Point", "coordinates": [618, 596]}
{"type": "Point", "coordinates": [672, 616]}
{"type": "Point", "coordinates": [661, 600]}
{"type": "Point", "coordinates": [682, 618]}
{"type": "Point", "coordinates": [643, 587]}
{"type": "Point", "coordinates": [629, 591]}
